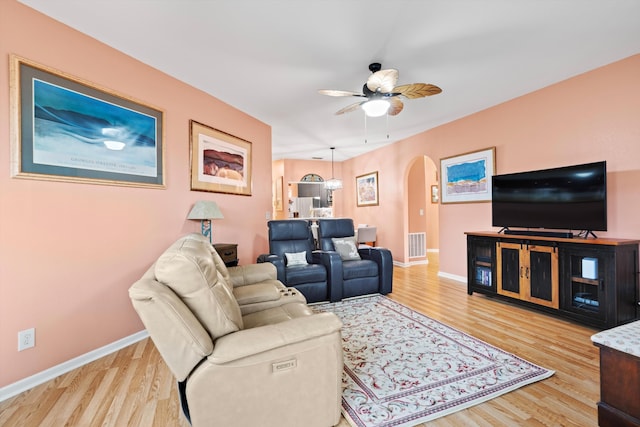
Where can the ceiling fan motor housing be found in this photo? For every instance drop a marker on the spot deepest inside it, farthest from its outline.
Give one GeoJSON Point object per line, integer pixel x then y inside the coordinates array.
{"type": "Point", "coordinates": [367, 92]}
{"type": "Point", "coordinates": [375, 66]}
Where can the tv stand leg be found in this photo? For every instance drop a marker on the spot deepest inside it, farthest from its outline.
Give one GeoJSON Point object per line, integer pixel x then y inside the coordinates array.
{"type": "Point", "coordinates": [586, 233]}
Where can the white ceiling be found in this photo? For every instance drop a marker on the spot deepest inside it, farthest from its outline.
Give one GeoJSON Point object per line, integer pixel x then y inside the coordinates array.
{"type": "Point", "coordinates": [269, 58]}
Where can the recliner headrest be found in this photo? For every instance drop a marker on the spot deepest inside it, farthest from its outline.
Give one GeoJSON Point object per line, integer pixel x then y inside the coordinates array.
{"type": "Point", "coordinates": [295, 229]}
{"type": "Point", "coordinates": [334, 227]}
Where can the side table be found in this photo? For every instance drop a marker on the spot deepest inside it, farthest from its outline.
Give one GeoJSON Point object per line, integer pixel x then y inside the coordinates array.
{"type": "Point", "coordinates": [228, 252]}
{"type": "Point", "coordinates": [619, 404]}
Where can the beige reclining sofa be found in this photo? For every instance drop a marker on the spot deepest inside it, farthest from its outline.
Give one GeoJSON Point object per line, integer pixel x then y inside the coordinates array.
{"type": "Point", "coordinates": [246, 350]}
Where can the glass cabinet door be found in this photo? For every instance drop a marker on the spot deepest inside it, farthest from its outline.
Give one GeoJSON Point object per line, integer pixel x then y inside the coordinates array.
{"type": "Point", "coordinates": [481, 258]}
{"type": "Point", "coordinates": [584, 293]}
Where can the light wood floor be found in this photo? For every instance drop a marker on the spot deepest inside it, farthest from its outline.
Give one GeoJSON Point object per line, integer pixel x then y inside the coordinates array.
{"type": "Point", "coordinates": [133, 387]}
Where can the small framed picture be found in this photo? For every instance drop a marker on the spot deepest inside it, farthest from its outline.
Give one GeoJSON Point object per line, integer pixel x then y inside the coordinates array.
{"type": "Point", "coordinates": [435, 197]}
{"type": "Point", "coordinates": [367, 189]}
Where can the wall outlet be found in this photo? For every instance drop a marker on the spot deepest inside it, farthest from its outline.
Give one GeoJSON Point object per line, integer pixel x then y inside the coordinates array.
{"type": "Point", "coordinates": [26, 339]}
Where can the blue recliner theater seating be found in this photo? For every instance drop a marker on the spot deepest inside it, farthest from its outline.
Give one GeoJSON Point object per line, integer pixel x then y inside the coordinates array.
{"type": "Point", "coordinates": [360, 271]}
{"type": "Point", "coordinates": [298, 265]}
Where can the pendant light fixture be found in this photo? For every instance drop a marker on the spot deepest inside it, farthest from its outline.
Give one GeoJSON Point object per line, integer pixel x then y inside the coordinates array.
{"type": "Point", "coordinates": [333, 183]}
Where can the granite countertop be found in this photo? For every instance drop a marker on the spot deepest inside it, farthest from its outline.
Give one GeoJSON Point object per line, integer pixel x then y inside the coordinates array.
{"type": "Point", "coordinates": [625, 338]}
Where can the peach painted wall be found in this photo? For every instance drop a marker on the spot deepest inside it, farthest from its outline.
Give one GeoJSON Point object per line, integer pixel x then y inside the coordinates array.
{"type": "Point", "coordinates": [70, 251]}
{"type": "Point", "coordinates": [590, 117]}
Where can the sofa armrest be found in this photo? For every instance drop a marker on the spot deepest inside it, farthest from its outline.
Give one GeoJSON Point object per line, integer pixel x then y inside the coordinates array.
{"type": "Point", "coordinates": [277, 261]}
{"type": "Point", "coordinates": [253, 273]}
{"type": "Point", "coordinates": [249, 342]}
{"type": "Point", "coordinates": [333, 263]}
{"type": "Point", "coordinates": [384, 259]}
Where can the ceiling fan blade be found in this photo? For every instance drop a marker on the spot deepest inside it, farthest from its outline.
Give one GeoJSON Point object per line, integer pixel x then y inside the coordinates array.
{"type": "Point", "coordinates": [332, 92]}
{"type": "Point", "coordinates": [417, 90]}
{"type": "Point", "coordinates": [383, 80]}
{"type": "Point", "coordinates": [350, 108]}
{"type": "Point", "coordinates": [395, 107]}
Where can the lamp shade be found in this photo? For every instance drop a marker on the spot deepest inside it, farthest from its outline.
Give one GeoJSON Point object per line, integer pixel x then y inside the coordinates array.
{"type": "Point", "coordinates": [376, 108]}
{"type": "Point", "coordinates": [205, 209]}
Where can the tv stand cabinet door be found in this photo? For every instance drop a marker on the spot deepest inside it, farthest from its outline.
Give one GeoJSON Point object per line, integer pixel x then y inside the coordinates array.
{"type": "Point", "coordinates": [528, 273]}
{"type": "Point", "coordinates": [543, 276]}
{"type": "Point", "coordinates": [510, 269]}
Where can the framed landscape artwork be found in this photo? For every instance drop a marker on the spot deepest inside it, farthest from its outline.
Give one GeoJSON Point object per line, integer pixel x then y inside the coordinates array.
{"type": "Point", "coordinates": [466, 178]}
{"type": "Point", "coordinates": [367, 189]}
{"type": "Point", "coordinates": [220, 162]}
{"type": "Point", "coordinates": [67, 129]}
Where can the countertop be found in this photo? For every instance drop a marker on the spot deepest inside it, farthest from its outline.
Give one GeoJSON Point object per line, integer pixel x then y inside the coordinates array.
{"type": "Point", "coordinates": [625, 338]}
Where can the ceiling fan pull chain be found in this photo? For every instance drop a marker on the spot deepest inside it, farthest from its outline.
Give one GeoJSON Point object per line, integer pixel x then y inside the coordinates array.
{"type": "Point", "coordinates": [365, 128]}
{"type": "Point", "coordinates": [387, 125]}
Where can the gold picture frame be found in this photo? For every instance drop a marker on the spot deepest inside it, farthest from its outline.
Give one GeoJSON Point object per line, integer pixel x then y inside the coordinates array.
{"type": "Point", "coordinates": [367, 189]}
{"type": "Point", "coordinates": [64, 128]}
{"type": "Point", "coordinates": [220, 162]}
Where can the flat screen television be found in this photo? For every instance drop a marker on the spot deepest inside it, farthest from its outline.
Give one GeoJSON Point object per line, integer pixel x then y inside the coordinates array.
{"type": "Point", "coordinates": [564, 198]}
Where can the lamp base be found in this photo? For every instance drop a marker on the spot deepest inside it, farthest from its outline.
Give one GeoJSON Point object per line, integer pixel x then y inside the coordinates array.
{"type": "Point", "coordinates": [206, 228]}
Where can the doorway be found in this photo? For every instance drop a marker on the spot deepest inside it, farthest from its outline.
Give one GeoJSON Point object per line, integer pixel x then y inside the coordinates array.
{"type": "Point", "coordinates": [422, 209]}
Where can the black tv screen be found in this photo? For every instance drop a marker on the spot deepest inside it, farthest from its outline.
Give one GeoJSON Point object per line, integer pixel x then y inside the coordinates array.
{"type": "Point", "coordinates": [565, 198]}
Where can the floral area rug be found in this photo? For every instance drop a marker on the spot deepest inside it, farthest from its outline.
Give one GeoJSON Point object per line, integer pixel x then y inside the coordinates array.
{"type": "Point", "coordinates": [402, 368]}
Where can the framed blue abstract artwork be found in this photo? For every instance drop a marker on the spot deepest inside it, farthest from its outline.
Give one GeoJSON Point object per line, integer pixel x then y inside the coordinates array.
{"type": "Point", "coordinates": [67, 129]}
{"type": "Point", "coordinates": [466, 178]}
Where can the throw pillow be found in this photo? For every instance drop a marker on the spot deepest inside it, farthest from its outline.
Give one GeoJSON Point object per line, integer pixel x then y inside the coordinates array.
{"type": "Point", "coordinates": [346, 247]}
{"type": "Point", "coordinates": [297, 258]}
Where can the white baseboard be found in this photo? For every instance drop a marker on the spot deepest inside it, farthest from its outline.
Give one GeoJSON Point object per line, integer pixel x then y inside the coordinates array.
{"type": "Point", "coordinates": [410, 263]}
{"type": "Point", "coordinates": [55, 371]}
{"type": "Point", "coordinates": [462, 279]}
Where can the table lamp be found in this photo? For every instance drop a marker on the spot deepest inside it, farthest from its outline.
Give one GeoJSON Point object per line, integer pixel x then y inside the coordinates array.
{"type": "Point", "coordinates": [205, 211]}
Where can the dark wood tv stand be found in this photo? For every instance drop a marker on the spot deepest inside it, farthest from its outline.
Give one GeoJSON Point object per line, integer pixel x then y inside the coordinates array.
{"type": "Point", "coordinates": [590, 280]}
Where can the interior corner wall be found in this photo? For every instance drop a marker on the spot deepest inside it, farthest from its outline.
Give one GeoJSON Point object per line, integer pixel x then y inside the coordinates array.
{"type": "Point", "coordinates": [417, 188]}
{"type": "Point", "coordinates": [277, 178]}
{"type": "Point", "coordinates": [589, 117]}
{"type": "Point", "coordinates": [70, 251]}
{"type": "Point", "coordinates": [433, 220]}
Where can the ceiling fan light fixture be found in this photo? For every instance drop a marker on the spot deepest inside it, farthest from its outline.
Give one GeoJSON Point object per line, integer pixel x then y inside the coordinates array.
{"type": "Point", "coordinates": [376, 108]}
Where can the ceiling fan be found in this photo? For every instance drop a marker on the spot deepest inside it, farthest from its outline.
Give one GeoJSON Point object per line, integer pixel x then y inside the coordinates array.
{"type": "Point", "coordinates": [383, 96]}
